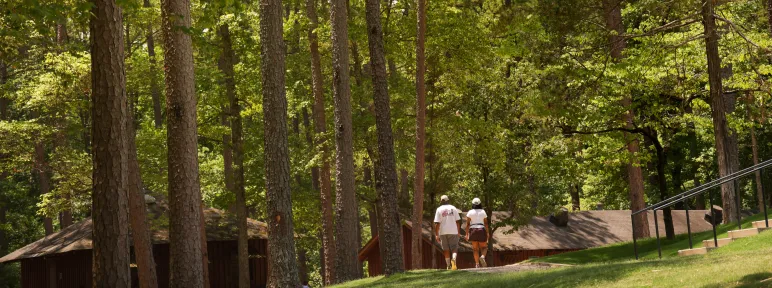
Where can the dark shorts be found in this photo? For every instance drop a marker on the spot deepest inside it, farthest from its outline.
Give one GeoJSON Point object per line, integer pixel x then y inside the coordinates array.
{"type": "Point", "coordinates": [478, 235]}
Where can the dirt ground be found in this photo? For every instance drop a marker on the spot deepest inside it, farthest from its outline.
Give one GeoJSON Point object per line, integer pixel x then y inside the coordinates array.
{"type": "Point", "coordinates": [517, 268]}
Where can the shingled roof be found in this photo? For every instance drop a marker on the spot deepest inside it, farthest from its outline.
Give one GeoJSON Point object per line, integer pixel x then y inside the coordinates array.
{"type": "Point", "coordinates": [586, 229]}
{"type": "Point", "coordinates": [220, 226]}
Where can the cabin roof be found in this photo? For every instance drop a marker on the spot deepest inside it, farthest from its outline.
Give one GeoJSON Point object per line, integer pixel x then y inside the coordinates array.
{"type": "Point", "coordinates": [585, 229]}
{"type": "Point", "coordinates": [220, 226]}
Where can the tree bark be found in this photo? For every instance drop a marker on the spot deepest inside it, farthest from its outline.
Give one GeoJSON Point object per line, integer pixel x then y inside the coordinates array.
{"type": "Point", "coordinates": [345, 201]}
{"type": "Point", "coordinates": [718, 111]}
{"type": "Point", "coordinates": [404, 184]}
{"type": "Point", "coordinates": [663, 191]}
{"type": "Point", "coordinates": [65, 219]}
{"type": "Point", "coordinates": [613, 12]}
{"type": "Point", "coordinates": [575, 191]}
{"type": "Point", "coordinates": [44, 181]}
{"type": "Point", "coordinates": [755, 152]}
{"type": "Point", "coordinates": [282, 271]}
{"type": "Point", "coordinates": [235, 143]}
{"type": "Point", "coordinates": [186, 248]}
{"type": "Point", "coordinates": [320, 129]}
{"type": "Point", "coordinates": [143, 245]}
{"type": "Point", "coordinates": [110, 176]}
{"type": "Point", "coordinates": [155, 90]}
{"type": "Point", "coordinates": [386, 171]}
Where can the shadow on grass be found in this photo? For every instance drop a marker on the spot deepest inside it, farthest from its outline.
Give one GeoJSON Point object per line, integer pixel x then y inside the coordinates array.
{"type": "Point", "coordinates": [762, 279]}
{"type": "Point", "coordinates": [588, 275]}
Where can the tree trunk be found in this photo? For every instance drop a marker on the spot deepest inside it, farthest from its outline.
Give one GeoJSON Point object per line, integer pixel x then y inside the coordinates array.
{"type": "Point", "coordinates": [44, 181]}
{"type": "Point", "coordinates": [65, 219]}
{"type": "Point", "coordinates": [755, 152]}
{"type": "Point", "coordinates": [302, 265]}
{"type": "Point", "coordinates": [346, 202]}
{"type": "Point", "coordinates": [718, 111]}
{"type": "Point", "coordinates": [613, 12]}
{"type": "Point", "coordinates": [320, 129]}
{"type": "Point", "coordinates": [140, 231]}
{"type": "Point", "coordinates": [110, 202]}
{"type": "Point", "coordinates": [386, 170]}
{"type": "Point", "coordinates": [575, 190]}
{"type": "Point", "coordinates": [227, 62]}
{"type": "Point", "coordinates": [186, 248]}
{"type": "Point", "coordinates": [404, 192]}
{"type": "Point", "coordinates": [282, 269]}
{"type": "Point", "coordinates": [663, 192]}
{"type": "Point", "coordinates": [155, 91]}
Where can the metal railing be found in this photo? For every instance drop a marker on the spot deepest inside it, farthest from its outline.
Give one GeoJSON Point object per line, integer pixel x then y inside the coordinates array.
{"type": "Point", "coordinates": [699, 190]}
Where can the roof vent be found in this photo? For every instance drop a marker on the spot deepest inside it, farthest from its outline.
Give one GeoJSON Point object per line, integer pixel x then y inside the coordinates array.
{"type": "Point", "coordinates": [560, 218]}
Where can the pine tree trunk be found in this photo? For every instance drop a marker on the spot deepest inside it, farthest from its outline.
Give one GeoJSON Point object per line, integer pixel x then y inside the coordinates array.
{"type": "Point", "coordinates": [755, 151]}
{"type": "Point", "coordinates": [235, 143]}
{"type": "Point", "coordinates": [663, 191]}
{"type": "Point", "coordinates": [110, 202]}
{"type": "Point", "coordinates": [575, 198]}
{"type": "Point", "coordinates": [345, 201]}
{"type": "Point", "coordinates": [143, 245]}
{"type": "Point", "coordinates": [186, 248]}
{"type": "Point", "coordinates": [718, 111]}
{"type": "Point", "coordinates": [404, 185]}
{"type": "Point", "coordinates": [61, 41]}
{"type": "Point", "coordinates": [4, 103]}
{"type": "Point", "coordinates": [282, 270]}
{"type": "Point", "coordinates": [44, 182]}
{"type": "Point", "coordinates": [155, 91]}
{"type": "Point", "coordinates": [320, 129]}
{"type": "Point", "coordinates": [613, 11]}
{"type": "Point", "coordinates": [386, 171]}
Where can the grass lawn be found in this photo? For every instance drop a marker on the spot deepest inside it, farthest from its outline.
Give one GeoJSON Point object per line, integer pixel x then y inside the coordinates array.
{"type": "Point", "coordinates": [743, 263]}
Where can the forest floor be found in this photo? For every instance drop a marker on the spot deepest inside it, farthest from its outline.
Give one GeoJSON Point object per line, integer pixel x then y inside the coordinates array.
{"type": "Point", "coordinates": [743, 263]}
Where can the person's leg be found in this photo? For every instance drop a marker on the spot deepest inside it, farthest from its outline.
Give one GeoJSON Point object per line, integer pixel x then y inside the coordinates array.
{"type": "Point", "coordinates": [483, 252]}
{"type": "Point", "coordinates": [476, 253]}
{"type": "Point", "coordinates": [453, 243]}
{"type": "Point", "coordinates": [445, 243]}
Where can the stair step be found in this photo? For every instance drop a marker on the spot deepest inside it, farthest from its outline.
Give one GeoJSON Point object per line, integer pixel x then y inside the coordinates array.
{"type": "Point", "coordinates": [736, 234]}
{"type": "Point", "coordinates": [721, 242]}
{"type": "Point", "coordinates": [761, 224]}
{"type": "Point", "coordinates": [695, 251]}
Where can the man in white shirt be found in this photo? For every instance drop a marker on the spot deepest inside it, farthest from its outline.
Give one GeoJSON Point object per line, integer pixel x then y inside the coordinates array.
{"type": "Point", "coordinates": [447, 228]}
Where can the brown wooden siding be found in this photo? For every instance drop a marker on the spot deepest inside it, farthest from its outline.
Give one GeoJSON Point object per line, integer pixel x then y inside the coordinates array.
{"type": "Point", "coordinates": [73, 269]}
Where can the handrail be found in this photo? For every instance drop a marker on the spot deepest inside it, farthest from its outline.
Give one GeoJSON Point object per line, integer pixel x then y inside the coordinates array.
{"type": "Point", "coordinates": [704, 187]}
{"type": "Point", "coordinates": [682, 197]}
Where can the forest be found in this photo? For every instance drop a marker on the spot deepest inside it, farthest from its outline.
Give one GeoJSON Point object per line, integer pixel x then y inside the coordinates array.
{"type": "Point", "coordinates": [335, 121]}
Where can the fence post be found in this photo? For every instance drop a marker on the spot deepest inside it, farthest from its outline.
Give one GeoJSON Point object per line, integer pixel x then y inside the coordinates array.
{"type": "Point", "coordinates": [635, 243]}
{"type": "Point", "coordinates": [713, 218]}
{"type": "Point", "coordinates": [656, 229]}
{"type": "Point", "coordinates": [688, 224]}
{"type": "Point", "coordinates": [763, 197]}
{"type": "Point", "coordinates": [737, 203]}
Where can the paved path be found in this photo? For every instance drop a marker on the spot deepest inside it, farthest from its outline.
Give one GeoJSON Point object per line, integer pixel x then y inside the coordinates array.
{"type": "Point", "coordinates": [516, 268]}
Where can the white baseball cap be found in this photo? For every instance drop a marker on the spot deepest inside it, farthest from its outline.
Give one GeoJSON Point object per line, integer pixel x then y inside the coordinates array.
{"type": "Point", "coordinates": [444, 198]}
{"type": "Point", "coordinates": [476, 201]}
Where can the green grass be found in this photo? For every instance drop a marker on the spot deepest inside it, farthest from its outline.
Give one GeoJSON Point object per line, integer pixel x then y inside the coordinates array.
{"type": "Point", "coordinates": [647, 248]}
{"type": "Point", "coordinates": [744, 263]}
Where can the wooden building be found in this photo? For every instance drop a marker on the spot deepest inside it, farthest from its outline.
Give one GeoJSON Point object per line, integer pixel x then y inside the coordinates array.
{"type": "Point", "coordinates": [540, 238]}
{"type": "Point", "coordinates": [64, 259]}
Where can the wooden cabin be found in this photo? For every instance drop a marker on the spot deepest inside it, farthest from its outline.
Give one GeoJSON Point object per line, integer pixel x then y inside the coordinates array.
{"type": "Point", "coordinates": [540, 238]}
{"type": "Point", "coordinates": [64, 259]}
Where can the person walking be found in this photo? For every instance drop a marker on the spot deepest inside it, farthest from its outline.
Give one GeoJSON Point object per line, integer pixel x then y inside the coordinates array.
{"type": "Point", "coordinates": [478, 232]}
{"type": "Point", "coordinates": [447, 228]}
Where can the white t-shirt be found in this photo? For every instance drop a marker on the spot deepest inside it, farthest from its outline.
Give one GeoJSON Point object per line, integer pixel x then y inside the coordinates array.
{"type": "Point", "coordinates": [477, 216]}
{"type": "Point", "coordinates": [447, 215]}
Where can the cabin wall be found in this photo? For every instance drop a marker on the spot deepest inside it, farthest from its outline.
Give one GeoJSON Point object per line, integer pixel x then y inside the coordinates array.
{"type": "Point", "coordinates": [73, 269]}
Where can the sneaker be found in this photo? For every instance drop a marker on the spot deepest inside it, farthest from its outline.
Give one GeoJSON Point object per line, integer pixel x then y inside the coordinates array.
{"type": "Point", "coordinates": [447, 268]}
{"type": "Point", "coordinates": [482, 262]}
{"type": "Point", "coordinates": [453, 264]}
{"type": "Point", "coordinates": [476, 265]}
